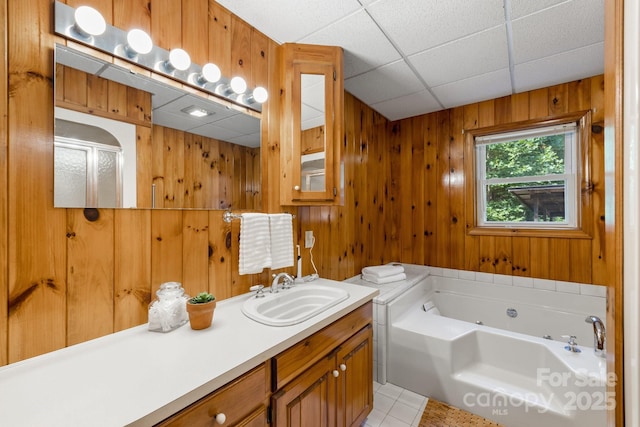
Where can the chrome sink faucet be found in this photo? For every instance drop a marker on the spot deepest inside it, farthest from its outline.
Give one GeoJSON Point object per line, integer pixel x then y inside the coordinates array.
{"type": "Point", "coordinates": [599, 335]}
{"type": "Point", "coordinates": [286, 284]}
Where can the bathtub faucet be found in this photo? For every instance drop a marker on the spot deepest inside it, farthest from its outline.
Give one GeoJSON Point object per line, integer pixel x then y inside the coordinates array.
{"type": "Point", "coordinates": [598, 335]}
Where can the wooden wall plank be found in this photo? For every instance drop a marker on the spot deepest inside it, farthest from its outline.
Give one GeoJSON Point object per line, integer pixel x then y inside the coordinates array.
{"type": "Point", "coordinates": [36, 261]}
{"type": "Point", "coordinates": [195, 251]}
{"type": "Point", "coordinates": [132, 14]}
{"type": "Point", "coordinates": [4, 206]}
{"type": "Point", "coordinates": [195, 25]}
{"type": "Point", "coordinates": [220, 263]}
{"type": "Point", "coordinates": [443, 202]}
{"type": "Point", "coordinates": [457, 229]}
{"type": "Point", "coordinates": [471, 243]}
{"type": "Point", "coordinates": [166, 247]}
{"type": "Point", "coordinates": [132, 267]}
{"type": "Point", "coordinates": [241, 50]}
{"type": "Point", "coordinates": [431, 190]}
{"type": "Point", "coordinates": [90, 292]}
{"type": "Point", "coordinates": [220, 37]}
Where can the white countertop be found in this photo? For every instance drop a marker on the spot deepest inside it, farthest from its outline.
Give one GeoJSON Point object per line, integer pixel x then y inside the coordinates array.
{"type": "Point", "coordinates": [138, 377]}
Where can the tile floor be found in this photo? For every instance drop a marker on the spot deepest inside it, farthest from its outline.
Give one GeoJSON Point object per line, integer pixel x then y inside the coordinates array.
{"type": "Point", "coordinates": [394, 406]}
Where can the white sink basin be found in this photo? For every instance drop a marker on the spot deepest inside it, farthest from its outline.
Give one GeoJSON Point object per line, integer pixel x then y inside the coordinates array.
{"type": "Point", "coordinates": [291, 306]}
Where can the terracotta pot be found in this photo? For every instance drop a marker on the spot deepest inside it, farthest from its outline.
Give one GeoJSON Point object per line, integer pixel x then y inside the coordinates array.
{"type": "Point", "coordinates": [201, 315]}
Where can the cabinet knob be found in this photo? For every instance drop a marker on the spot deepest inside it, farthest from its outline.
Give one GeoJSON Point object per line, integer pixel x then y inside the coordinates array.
{"type": "Point", "coordinates": [220, 418]}
{"type": "Point", "coordinates": [343, 367]}
{"type": "Point", "coordinates": [297, 188]}
{"type": "Point", "coordinates": [336, 373]}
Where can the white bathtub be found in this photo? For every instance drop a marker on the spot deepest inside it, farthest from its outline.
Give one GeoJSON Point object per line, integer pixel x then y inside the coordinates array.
{"type": "Point", "coordinates": [503, 369]}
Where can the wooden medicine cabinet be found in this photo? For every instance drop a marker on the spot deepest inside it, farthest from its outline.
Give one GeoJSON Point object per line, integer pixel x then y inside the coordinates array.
{"type": "Point", "coordinates": [312, 124]}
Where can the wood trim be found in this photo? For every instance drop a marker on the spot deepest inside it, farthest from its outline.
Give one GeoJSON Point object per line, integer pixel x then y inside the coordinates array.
{"type": "Point", "coordinates": [4, 287]}
{"type": "Point", "coordinates": [614, 232]}
{"type": "Point", "coordinates": [585, 206]}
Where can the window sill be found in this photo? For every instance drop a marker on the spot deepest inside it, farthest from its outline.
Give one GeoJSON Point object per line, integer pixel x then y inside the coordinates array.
{"type": "Point", "coordinates": [528, 232]}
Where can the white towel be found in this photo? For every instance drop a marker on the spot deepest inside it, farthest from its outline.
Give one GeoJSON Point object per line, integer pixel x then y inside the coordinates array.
{"type": "Point", "coordinates": [255, 243]}
{"type": "Point", "coordinates": [281, 227]}
{"type": "Point", "coordinates": [383, 270]}
{"type": "Point", "coordinates": [383, 280]}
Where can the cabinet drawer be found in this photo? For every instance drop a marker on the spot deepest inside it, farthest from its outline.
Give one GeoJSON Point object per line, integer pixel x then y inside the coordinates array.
{"type": "Point", "coordinates": [236, 400]}
{"type": "Point", "coordinates": [291, 362]}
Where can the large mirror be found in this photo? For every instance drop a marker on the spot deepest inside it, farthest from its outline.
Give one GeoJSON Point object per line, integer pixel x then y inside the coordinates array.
{"type": "Point", "coordinates": [123, 139]}
{"type": "Point", "coordinates": [313, 137]}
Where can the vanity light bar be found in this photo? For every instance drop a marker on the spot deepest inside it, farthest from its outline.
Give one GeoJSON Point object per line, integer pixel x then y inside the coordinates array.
{"type": "Point", "coordinates": [134, 47]}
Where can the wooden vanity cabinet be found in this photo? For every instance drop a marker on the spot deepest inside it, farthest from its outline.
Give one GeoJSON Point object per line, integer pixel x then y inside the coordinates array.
{"type": "Point", "coordinates": [327, 379]}
{"type": "Point", "coordinates": [243, 402]}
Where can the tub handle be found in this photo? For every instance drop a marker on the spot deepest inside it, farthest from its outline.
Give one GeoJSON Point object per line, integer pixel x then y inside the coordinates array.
{"type": "Point", "coordinates": [343, 367]}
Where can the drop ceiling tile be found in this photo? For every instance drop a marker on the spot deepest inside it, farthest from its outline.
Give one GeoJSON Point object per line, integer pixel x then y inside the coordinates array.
{"type": "Point", "coordinates": [550, 31]}
{"type": "Point", "coordinates": [417, 25]}
{"type": "Point", "coordinates": [252, 140]}
{"type": "Point", "coordinates": [478, 88]}
{"type": "Point", "coordinates": [567, 66]}
{"type": "Point", "coordinates": [520, 8]}
{"type": "Point", "coordinates": [476, 54]}
{"type": "Point", "coordinates": [410, 105]}
{"type": "Point", "coordinates": [290, 20]}
{"type": "Point", "coordinates": [384, 83]}
{"type": "Point", "coordinates": [365, 46]}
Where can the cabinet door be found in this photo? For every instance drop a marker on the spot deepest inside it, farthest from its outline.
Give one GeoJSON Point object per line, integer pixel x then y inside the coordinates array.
{"type": "Point", "coordinates": [355, 385]}
{"type": "Point", "coordinates": [309, 400]}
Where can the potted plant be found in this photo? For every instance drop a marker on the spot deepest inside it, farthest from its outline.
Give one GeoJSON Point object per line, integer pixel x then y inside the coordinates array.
{"type": "Point", "coordinates": [200, 309]}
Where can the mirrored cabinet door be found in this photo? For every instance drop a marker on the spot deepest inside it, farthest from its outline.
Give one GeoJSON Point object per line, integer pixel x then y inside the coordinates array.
{"type": "Point", "coordinates": [312, 125]}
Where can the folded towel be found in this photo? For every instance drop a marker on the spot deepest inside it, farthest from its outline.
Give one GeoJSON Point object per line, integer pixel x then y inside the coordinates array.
{"type": "Point", "coordinates": [430, 308]}
{"type": "Point", "coordinates": [281, 240]}
{"type": "Point", "coordinates": [383, 270]}
{"type": "Point", "coordinates": [255, 243]}
{"type": "Point", "coordinates": [383, 280]}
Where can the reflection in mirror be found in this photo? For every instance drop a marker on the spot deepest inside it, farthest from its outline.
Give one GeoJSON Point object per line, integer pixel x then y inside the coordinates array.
{"type": "Point", "coordinates": [196, 153]}
{"type": "Point", "coordinates": [313, 132]}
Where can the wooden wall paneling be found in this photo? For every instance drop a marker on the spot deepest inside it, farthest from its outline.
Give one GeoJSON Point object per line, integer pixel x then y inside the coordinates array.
{"type": "Point", "coordinates": [520, 256]}
{"type": "Point", "coordinates": [379, 175]}
{"type": "Point", "coordinates": [443, 203]}
{"type": "Point", "coordinates": [166, 247]}
{"type": "Point", "coordinates": [97, 93]}
{"type": "Point", "coordinates": [166, 23]}
{"type": "Point", "coordinates": [195, 251]}
{"type": "Point", "coordinates": [117, 99]}
{"type": "Point", "coordinates": [259, 59]}
{"type": "Point", "coordinates": [502, 112]}
{"type": "Point", "coordinates": [225, 182]}
{"type": "Point", "coordinates": [520, 106]}
{"type": "Point", "coordinates": [144, 165]}
{"type": "Point", "coordinates": [270, 135]}
{"type": "Point", "coordinates": [558, 99]}
{"type": "Point", "coordinates": [239, 178]}
{"type": "Point", "coordinates": [191, 177]}
{"type": "Point", "coordinates": [431, 190]}
{"type": "Point", "coordinates": [503, 255]}
{"type": "Point", "coordinates": [471, 248]}
{"type": "Point", "coordinates": [418, 190]}
{"type": "Point", "coordinates": [36, 261]}
{"type": "Point", "coordinates": [220, 262]}
{"type": "Point", "coordinates": [256, 187]}
{"type": "Point", "coordinates": [195, 27]}
{"type": "Point", "coordinates": [599, 264]}
{"type": "Point", "coordinates": [220, 37]}
{"type": "Point", "coordinates": [539, 103]}
{"type": "Point", "coordinates": [211, 164]}
{"type": "Point", "coordinates": [397, 200]}
{"type": "Point", "coordinates": [241, 50]}
{"type": "Point", "coordinates": [4, 125]}
{"type": "Point", "coordinates": [539, 259]}
{"type": "Point", "coordinates": [457, 229]}
{"type": "Point", "coordinates": [157, 165]}
{"type": "Point", "coordinates": [486, 244]}
{"type": "Point", "coordinates": [138, 105]}
{"type": "Point", "coordinates": [103, 6]}
{"type": "Point", "coordinates": [558, 257]}
{"type": "Point", "coordinates": [132, 267]}
{"type": "Point", "coordinates": [173, 162]}
{"type": "Point", "coordinates": [128, 14]}
{"type": "Point", "coordinates": [75, 93]}
{"type": "Point", "coordinates": [90, 260]}
{"type": "Point", "coordinates": [580, 268]}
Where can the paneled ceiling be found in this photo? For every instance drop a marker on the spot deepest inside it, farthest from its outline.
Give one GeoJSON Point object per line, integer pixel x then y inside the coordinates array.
{"type": "Point", "coordinates": [409, 57]}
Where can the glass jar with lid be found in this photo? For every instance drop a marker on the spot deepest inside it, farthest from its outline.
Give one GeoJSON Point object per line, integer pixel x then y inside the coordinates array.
{"type": "Point", "coordinates": [169, 310]}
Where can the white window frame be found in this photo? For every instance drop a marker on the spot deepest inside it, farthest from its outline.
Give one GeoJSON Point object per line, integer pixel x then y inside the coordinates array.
{"type": "Point", "coordinates": [571, 176]}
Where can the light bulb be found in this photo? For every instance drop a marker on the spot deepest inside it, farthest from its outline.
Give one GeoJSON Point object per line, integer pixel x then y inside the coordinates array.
{"type": "Point", "coordinates": [260, 95]}
{"type": "Point", "coordinates": [210, 73]}
{"type": "Point", "coordinates": [139, 42]}
{"type": "Point", "coordinates": [89, 21]}
{"type": "Point", "coordinates": [238, 85]}
{"type": "Point", "coordinates": [179, 59]}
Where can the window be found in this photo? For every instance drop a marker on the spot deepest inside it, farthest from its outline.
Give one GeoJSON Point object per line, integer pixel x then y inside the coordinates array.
{"type": "Point", "coordinates": [527, 177]}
